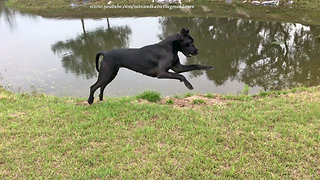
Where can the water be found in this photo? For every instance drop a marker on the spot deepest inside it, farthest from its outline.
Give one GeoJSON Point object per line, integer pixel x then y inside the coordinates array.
{"type": "Point", "coordinates": [56, 56]}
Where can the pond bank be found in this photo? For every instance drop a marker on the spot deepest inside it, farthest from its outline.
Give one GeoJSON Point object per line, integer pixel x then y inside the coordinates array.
{"type": "Point", "coordinates": [305, 12]}
{"type": "Point", "coordinates": [271, 135]}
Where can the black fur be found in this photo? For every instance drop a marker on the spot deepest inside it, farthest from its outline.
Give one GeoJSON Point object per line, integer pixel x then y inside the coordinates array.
{"type": "Point", "coordinates": [152, 60]}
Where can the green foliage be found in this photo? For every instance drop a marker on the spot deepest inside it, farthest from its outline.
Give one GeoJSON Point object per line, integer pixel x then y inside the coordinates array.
{"type": "Point", "coordinates": [277, 42]}
{"type": "Point", "coordinates": [177, 96]}
{"type": "Point", "coordinates": [169, 101]}
{"type": "Point", "coordinates": [246, 89]}
{"type": "Point", "coordinates": [209, 95]}
{"type": "Point", "coordinates": [264, 93]}
{"type": "Point", "coordinates": [151, 96]}
{"type": "Point", "coordinates": [273, 93]}
{"type": "Point", "coordinates": [198, 101]}
{"type": "Point", "coordinates": [188, 95]}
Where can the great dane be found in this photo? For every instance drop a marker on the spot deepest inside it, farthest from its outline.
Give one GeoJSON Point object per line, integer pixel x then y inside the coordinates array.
{"type": "Point", "coordinates": [153, 60]}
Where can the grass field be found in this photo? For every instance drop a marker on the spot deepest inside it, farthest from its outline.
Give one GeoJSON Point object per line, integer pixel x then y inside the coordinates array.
{"type": "Point", "coordinates": [268, 136]}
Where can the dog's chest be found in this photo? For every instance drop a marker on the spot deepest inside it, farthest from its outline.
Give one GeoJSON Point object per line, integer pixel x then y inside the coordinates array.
{"type": "Point", "coordinates": [174, 58]}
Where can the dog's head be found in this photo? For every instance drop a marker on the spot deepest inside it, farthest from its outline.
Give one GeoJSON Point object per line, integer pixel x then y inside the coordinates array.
{"type": "Point", "coordinates": [186, 43]}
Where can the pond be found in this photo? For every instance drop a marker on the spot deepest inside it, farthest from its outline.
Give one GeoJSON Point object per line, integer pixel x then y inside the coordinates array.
{"type": "Point", "coordinates": [57, 56]}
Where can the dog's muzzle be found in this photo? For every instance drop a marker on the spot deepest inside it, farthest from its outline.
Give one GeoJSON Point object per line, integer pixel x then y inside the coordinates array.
{"type": "Point", "coordinates": [194, 53]}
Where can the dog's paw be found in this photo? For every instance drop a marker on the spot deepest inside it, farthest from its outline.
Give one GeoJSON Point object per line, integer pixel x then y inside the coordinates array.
{"type": "Point", "coordinates": [100, 98]}
{"type": "Point", "coordinates": [188, 85]}
{"type": "Point", "coordinates": [208, 68]}
{"type": "Point", "coordinates": [90, 101]}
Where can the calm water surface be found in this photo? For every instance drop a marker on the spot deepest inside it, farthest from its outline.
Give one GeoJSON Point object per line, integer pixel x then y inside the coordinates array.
{"type": "Point", "coordinates": [56, 56]}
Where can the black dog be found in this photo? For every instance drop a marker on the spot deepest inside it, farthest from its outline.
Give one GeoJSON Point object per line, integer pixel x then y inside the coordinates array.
{"type": "Point", "coordinates": [153, 60]}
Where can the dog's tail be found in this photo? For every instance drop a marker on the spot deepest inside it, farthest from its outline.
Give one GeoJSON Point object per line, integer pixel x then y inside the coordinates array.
{"type": "Point", "coordinates": [97, 60]}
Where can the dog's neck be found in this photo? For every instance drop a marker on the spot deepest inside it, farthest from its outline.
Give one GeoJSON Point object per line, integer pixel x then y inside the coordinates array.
{"type": "Point", "coordinates": [171, 42]}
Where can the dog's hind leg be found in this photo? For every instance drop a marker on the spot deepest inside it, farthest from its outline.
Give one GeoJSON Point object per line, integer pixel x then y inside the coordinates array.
{"type": "Point", "coordinates": [104, 86]}
{"type": "Point", "coordinates": [101, 92]}
{"type": "Point", "coordinates": [93, 88]}
{"type": "Point", "coordinates": [107, 73]}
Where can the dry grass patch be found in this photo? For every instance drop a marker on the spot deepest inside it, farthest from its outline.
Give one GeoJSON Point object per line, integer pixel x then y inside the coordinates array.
{"type": "Point", "coordinates": [194, 101]}
{"type": "Point", "coordinates": [306, 96]}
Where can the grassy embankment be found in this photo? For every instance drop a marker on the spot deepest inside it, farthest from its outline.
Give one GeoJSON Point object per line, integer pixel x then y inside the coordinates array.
{"type": "Point", "coordinates": [301, 11]}
{"type": "Point", "coordinates": [271, 135]}
{"type": "Point", "coordinates": [66, 3]}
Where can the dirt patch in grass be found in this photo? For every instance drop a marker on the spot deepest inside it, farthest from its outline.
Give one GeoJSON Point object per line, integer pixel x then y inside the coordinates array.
{"type": "Point", "coordinates": [6, 95]}
{"type": "Point", "coordinates": [17, 114]}
{"type": "Point", "coordinates": [305, 96]}
{"type": "Point", "coordinates": [84, 103]}
{"type": "Point", "coordinates": [193, 101]}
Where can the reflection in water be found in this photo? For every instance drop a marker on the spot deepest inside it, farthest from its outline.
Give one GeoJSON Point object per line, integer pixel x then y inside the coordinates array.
{"type": "Point", "coordinates": [8, 14]}
{"type": "Point", "coordinates": [264, 55]}
{"type": "Point", "coordinates": [78, 54]}
{"type": "Point", "coordinates": [267, 54]}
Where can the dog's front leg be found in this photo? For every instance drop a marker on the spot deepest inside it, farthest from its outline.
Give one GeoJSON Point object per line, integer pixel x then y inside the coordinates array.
{"type": "Point", "coordinates": [179, 68]}
{"type": "Point", "coordinates": [169, 75]}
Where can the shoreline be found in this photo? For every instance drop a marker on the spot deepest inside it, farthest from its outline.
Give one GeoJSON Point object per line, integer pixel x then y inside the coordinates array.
{"type": "Point", "coordinates": [148, 96]}
{"type": "Point", "coordinates": [283, 13]}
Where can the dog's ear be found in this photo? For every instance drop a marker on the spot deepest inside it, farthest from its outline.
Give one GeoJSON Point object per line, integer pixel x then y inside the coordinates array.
{"type": "Point", "coordinates": [184, 31]}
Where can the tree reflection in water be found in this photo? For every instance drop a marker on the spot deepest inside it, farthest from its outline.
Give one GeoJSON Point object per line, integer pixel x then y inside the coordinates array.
{"type": "Point", "coordinates": [271, 55]}
{"type": "Point", "coordinates": [78, 54]}
{"type": "Point", "coordinates": [8, 14]}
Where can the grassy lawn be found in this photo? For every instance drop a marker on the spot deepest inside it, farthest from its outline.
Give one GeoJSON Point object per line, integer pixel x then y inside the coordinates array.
{"type": "Point", "coordinates": [268, 136]}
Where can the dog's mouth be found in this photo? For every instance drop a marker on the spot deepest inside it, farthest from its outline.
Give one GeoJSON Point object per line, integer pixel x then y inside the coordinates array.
{"type": "Point", "coordinates": [190, 54]}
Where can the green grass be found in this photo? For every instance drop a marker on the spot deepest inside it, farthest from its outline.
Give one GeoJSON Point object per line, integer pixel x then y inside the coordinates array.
{"type": "Point", "coordinates": [198, 101]}
{"type": "Point", "coordinates": [210, 95]}
{"type": "Point", "coordinates": [177, 96]}
{"type": "Point", "coordinates": [151, 96]}
{"type": "Point", "coordinates": [275, 136]}
{"type": "Point", "coordinates": [169, 101]}
{"type": "Point", "coordinates": [188, 95]}
{"type": "Point", "coordinates": [246, 89]}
